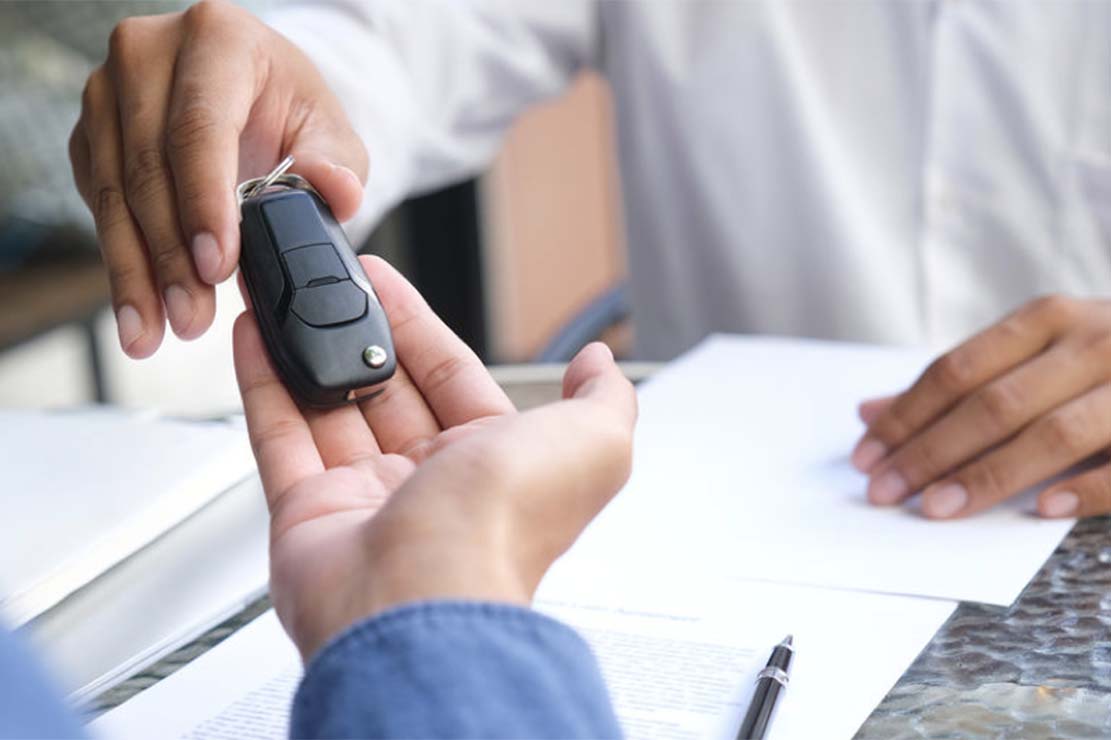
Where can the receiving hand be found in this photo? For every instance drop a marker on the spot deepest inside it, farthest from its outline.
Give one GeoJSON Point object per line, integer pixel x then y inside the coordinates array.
{"type": "Point", "coordinates": [1015, 405]}
{"type": "Point", "coordinates": [436, 488]}
{"type": "Point", "coordinates": [186, 106]}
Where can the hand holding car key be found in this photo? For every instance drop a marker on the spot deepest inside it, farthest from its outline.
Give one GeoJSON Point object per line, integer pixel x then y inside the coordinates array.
{"type": "Point", "coordinates": [320, 319]}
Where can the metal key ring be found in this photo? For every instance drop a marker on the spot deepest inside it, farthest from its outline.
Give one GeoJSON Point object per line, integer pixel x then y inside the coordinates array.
{"type": "Point", "coordinates": [254, 186]}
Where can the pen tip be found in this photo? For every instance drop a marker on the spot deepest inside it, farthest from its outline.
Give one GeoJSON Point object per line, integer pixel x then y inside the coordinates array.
{"type": "Point", "coordinates": [788, 641]}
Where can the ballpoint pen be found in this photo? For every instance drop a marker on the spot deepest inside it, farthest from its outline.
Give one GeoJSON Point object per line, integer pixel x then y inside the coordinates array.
{"type": "Point", "coordinates": [770, 682]}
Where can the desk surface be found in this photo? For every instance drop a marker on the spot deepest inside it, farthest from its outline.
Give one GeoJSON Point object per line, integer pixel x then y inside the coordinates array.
{"type": "Point", "coordinates": [1041, 668]}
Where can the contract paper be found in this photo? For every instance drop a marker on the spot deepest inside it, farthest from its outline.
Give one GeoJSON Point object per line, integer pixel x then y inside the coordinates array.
{"type": "Point", "coordinates": [90, 488]}
{"type": "Point", "coordinates": [679, 661]}
{"type": "Point", "coordinates": [741, 470]}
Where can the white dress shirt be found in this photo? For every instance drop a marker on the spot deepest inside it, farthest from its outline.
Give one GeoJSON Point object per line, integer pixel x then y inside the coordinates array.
{"type": "Point", "coordinates": [882, 170]}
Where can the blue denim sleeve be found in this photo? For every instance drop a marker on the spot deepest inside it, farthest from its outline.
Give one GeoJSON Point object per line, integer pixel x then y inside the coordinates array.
{"type": "Point", "coordinates": [30, 706]}
{"type": "Point", "coordinates": [455, 670]}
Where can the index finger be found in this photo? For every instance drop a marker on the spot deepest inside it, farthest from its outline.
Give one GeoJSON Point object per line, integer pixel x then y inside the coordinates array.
{"type": "Point", "coordinates": [447, 372]}
{"type": "Point", "coordinates": [280, 436]}
{"type": "Point", "coordinates": [213, 91]}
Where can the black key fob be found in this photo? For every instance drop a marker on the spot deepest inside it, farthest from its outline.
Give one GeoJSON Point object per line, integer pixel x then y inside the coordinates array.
{"type": "Point", "coordinates": [322, 323]}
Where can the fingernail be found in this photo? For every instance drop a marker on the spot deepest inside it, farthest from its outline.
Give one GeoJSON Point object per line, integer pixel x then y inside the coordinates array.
{"type": "Point", "coordinates": [888, 488]}
{"type": "Point", "coordinates": [867, 410]}
{"type": "Point", "coordinates": [350, 173]}
{"type": "Point", "coordinates": [179, 308]}
{"type": "Point", "coordinates": [130, 326]}
{"type": "Point", "coordinates": [207, 257]}
{"type": "Point", "coordinates": [944, 501]}
{"type": "Point", "coordinates": [1060, 503]}
{"type": "Point", "coordinates": [868, 452]}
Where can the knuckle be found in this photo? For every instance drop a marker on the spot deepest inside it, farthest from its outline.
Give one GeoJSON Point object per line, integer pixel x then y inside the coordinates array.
{"type": "Point", "coordinates": [123, 275]}
{"type": "Point", "coordinates": [987, 478]}
{"type": "Point", "coordinates": [1053, 307]}
{"type": "Point", "coordinates": [166, 258]}
{"type": "Point", "coordinates": [278, 430]}
{"type": "Point", "coordinates": [405, 317]}
{"type": "Point", "coordinates": [93, 90]}
{"type": "Point", "coordinates": [79, 162]}
{"type": "Point", "coordinates": [443, 373]}
{"type": "Point", "coordinates": [894, 426]}
{"type": "Point", "coordinates": [952, 372]}
{"type": "Point", "coordinates": [1097, 345]}
{"type": "Point", "coordinates": [125, 37]}
{"type": "Point", "coordinates": [1001, 405]}
{"type": "Point", "coordinates": [1012, 329]}
{"type": "Point", "coordinates": [145, 174]}
{"type": "Point", "coordinates": [921, 462]}
{"type": "Point", "coordinates": [191, 127]}
{"type": "Point", "coordinates": [1063, 432]}
{"type": "Point", "coordinates": [206, 14]}
{"type": "Point", "coordinates": [109, 205]}
{"type": "Point", "coordinates": [73, 144]}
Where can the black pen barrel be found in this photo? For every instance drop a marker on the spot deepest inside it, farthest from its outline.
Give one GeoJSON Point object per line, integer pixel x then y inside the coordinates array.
{"type": "Point", "coordinates": [781, 658]}
{"type": "Point", "coordinates": [759, 714]}
{"type": "Point", "coordinates": [769, 682]}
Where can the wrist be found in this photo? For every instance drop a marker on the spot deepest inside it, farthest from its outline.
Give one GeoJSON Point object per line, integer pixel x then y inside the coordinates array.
{"type": "Point", "coordinates": [440, 569]}
{"type": "Point", "coordinates": [418, 568]}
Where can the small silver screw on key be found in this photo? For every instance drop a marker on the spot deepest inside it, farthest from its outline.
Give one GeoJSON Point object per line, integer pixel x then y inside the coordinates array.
{"type": "Point", "coordinates": [374, 356]}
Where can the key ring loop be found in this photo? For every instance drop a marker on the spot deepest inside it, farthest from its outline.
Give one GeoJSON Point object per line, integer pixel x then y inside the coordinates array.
{"type": "Point", "coordinates": [254, 186]}
{"type": "Point", "coordinates": [280, 176]}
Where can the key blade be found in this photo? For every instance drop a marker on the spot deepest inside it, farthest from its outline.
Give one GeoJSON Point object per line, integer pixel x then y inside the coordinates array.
{"type": "Point", "coordinates": [274, 174]}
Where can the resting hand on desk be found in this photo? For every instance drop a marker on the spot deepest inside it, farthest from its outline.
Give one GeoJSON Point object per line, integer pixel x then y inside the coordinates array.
{"type": "Point", "coordinates": [435, 489]}
{"type": "Point", "coordinates": [1012, 407]}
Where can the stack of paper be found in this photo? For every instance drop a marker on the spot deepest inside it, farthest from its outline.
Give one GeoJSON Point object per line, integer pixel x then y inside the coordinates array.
{"type": "Point", "coordinates": [741, 470]}
{"type": "Point", "coordinates": [84, 490]}
{"type": "Point", "coordinates": [203, 571]}
{"type": "Point", "coordinates": [742, 522]}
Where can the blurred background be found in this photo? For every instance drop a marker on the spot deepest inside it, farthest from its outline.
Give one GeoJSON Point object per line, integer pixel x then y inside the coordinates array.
{"type": "Point", "coordinates": [525, 263]}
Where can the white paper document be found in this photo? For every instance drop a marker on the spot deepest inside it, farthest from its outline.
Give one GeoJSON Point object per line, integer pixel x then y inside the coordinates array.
{"type": "Point", "coordinates": [680, 659]}
{"type": "Point", "coordinates": [679, 662]}
{"type": "Point", "coordinates": [741, 469]}
{"type": "Point", "coordinates": [743, 521]}
{"type": "Point", "coordinates": [203, 571]}
{"type": "Point", "coordinates": [239, 689]}
{"type": "Point", "coordinates": [87, 489]}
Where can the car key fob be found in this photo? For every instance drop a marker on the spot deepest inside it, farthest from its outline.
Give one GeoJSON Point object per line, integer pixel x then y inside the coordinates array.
{"type": "Point", "coordinates": [319, 316]}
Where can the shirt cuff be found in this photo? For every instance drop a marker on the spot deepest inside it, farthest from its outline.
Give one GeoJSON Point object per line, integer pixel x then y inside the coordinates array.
{"type": "Point", "coordinates": [455, 669]}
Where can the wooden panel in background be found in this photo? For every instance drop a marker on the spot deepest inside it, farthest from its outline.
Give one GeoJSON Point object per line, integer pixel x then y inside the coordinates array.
{"type": "Point", "coordinates": [552, 220]}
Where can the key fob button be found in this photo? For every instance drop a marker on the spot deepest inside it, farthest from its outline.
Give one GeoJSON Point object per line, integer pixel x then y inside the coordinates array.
{"type": "Point", "coordinates": [314, 265]}
{"type": "Point", "coordinates": [263, 265]}
{"type": "Point", "coordinates": [328, 305]}
{"type": "Point", "coordinates": [315, 306]}
{"type": "Point", "coordinates": [294, 221]}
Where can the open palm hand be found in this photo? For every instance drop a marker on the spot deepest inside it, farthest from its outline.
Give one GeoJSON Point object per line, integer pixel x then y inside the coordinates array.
{"type": "Point", "coordinates": [435, 488]}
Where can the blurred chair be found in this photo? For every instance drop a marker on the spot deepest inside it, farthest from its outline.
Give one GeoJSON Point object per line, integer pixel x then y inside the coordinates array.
{"type": "Point", "coordinates": [591, 323]}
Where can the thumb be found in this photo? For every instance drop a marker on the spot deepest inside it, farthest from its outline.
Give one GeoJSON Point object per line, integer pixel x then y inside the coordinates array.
{"type": "Point", "coordinates": [593, 375]}
{"type": "Point", "coordinates": [336, 166]}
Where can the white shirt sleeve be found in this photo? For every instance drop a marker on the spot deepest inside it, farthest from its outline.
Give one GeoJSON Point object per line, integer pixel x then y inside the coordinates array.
{"type": "Point", "coordinates": [432, 86]}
